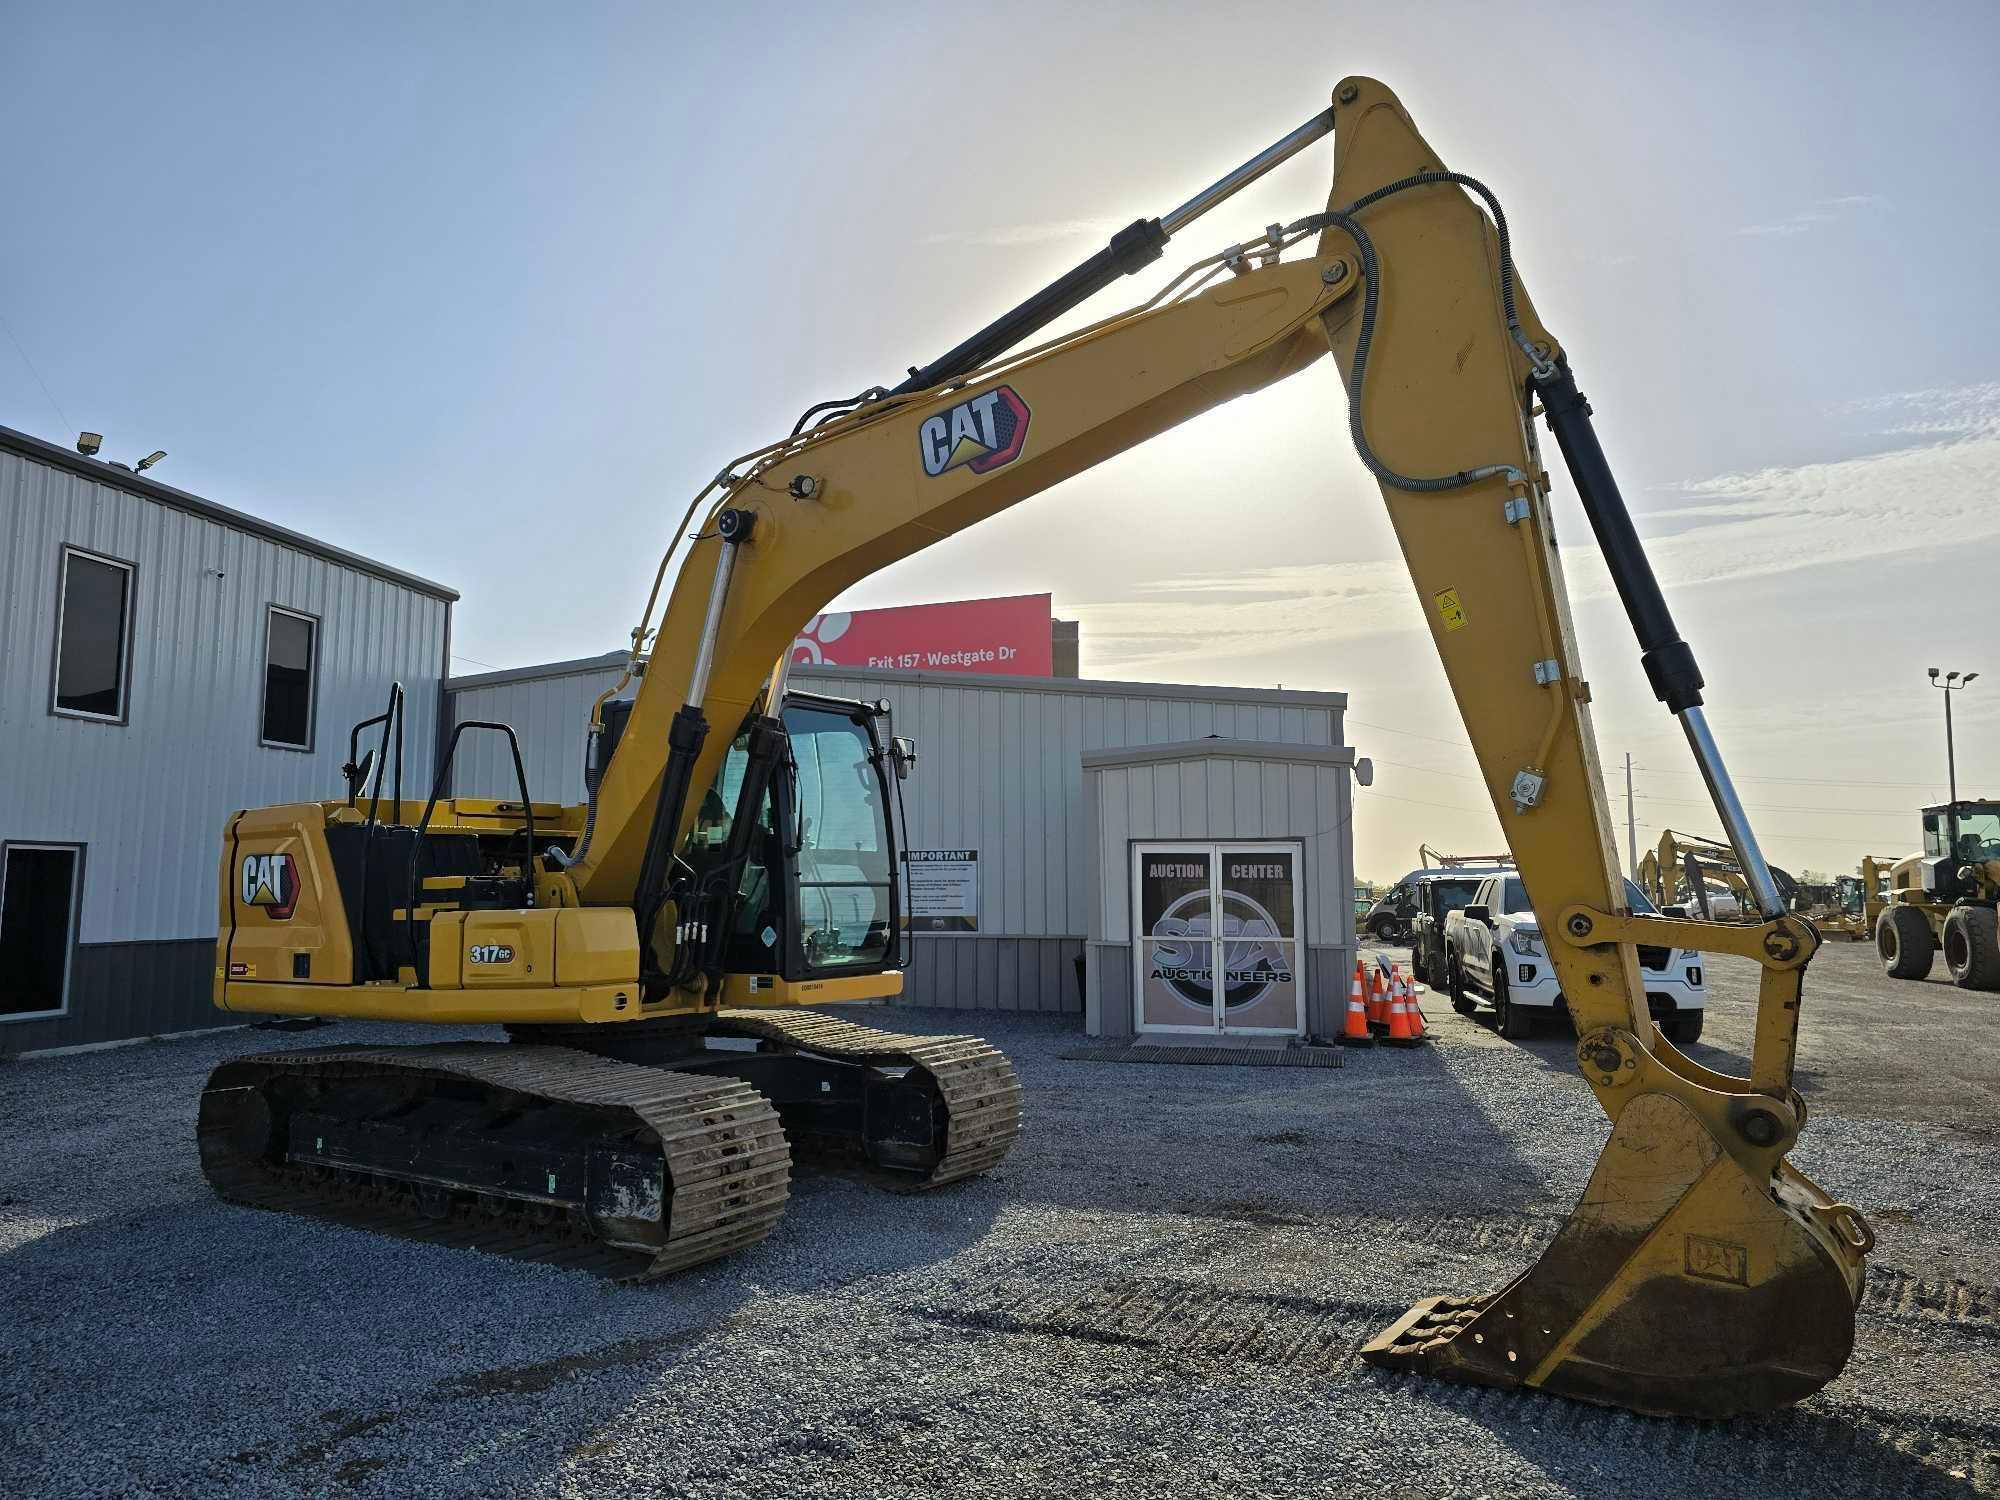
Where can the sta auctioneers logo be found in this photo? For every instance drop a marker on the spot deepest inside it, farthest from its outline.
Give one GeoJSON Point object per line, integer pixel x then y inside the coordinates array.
{"type": "Point", "coordinates": [981, 433]}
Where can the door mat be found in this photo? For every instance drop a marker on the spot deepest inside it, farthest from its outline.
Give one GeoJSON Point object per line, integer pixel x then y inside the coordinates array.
{"type": "Point", "coordinates": [1238, 1057]}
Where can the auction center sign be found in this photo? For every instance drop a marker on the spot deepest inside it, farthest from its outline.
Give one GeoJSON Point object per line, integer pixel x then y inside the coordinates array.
{"type": "Point", "coordinates": [942, 890]}
{"type": "Point", "coordinates": [1007, 637]}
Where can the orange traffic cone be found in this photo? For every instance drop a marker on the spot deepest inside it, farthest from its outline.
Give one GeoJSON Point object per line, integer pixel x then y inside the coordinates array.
{"type": "Point", "coordinates": [1356, 1032]}
{"type": "Point", "coordinates": [1400, 1034]}
{"type": "Point", "coordinates": [1413, 1009]}
{"type": "Point", "coordinates": [1378, 1001]}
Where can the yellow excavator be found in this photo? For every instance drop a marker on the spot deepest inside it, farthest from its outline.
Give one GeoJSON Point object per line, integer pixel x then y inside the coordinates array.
{"type": "Point", "coordinates": [1687, 862]}
{"type": "Point", "coordinates": [655, 953]}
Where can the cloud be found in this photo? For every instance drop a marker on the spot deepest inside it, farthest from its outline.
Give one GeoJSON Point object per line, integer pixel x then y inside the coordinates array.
{"type": "Point", "coordinates": [1933, 492]}
{"type": "Point", "coordinates": [1822, 212]}
{"type": "Point", "coordinates": [1027, 234]}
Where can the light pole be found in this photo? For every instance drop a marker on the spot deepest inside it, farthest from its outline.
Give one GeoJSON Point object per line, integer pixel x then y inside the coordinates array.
{"type": "Point", "coordinates": [1952, 684]}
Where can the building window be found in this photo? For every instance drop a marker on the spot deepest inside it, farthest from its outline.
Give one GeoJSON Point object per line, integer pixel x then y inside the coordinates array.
{"type": "Point", "coordinates": [291, 641]}
{"type": "Point", "coordinates": [37, 923]}
{"type": "Point", "coordinates": [93, 636]}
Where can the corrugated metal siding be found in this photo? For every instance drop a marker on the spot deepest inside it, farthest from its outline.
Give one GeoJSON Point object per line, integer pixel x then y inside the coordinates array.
{"type": "Point", "coordinates": [1223, 798]}
{"type": "Point", "coordinates": [120, 990]}
{"type": "Point", "coordinates": [999, 765]}
{"type": "Point", "coordinates": [999, 769]}
{"type": "Point", "coordinates": [549, 715]}
{"type": "Point", "coordinates": [149, 797]}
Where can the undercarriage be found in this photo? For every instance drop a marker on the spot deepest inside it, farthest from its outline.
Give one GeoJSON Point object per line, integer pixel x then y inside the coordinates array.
{"type": "Point", "coordinates": [631, 1151]}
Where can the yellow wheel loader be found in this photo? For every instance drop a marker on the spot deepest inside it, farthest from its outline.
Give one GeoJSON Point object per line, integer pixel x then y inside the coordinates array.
{"type": "Point", "coordinates": [1945, 900]}
{"type": "Point", "coordinates": [655, 952]}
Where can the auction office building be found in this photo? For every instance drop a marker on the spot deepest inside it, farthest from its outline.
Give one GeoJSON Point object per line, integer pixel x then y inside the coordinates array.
{"type": "Point", "coordinates": [1155, 857]}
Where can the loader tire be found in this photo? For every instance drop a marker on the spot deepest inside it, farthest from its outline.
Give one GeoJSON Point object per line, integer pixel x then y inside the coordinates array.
{"type": "Point", "coordinates": [1972, 947]}
{"type": "Point", "coordinates": [1903, 938]}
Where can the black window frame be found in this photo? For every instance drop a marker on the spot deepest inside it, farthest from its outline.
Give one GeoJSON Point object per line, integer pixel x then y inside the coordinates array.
{"type": "Point", "coordinates": [271, 607]}
{"type": "Point", "coordinates": [66, 551]}
{"type": "Point", "coordinates": [7, 847]}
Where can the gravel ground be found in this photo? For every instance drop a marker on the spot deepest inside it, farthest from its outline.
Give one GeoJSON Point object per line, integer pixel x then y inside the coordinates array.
{"type": "Point", "coordinates": [1160, 1292]}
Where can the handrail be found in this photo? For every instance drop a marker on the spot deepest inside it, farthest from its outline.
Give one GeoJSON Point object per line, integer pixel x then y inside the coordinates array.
{"type": "Point", "coordinates": [424, 823]}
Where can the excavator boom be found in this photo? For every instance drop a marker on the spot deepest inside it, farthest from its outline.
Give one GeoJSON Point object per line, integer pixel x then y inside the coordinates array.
{"type": "Point", "coordinates": [1701, 1273]}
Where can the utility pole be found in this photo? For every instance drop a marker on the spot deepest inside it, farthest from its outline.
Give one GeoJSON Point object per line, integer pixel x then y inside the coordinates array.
{"type": "Point", "coordinates": [1631, 822]}
{"type": "Point", "coordinates": [1950, 685]}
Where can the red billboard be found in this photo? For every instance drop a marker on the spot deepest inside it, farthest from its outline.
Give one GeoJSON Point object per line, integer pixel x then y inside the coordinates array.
{"type": "Point", "coordinates": [1008, 637]}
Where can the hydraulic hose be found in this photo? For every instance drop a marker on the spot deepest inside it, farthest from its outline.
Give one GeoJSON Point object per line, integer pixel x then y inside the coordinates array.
{"type": "Point", "coordinates": [1346, 220]}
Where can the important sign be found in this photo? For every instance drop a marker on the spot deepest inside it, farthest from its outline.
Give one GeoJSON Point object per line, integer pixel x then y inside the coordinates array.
{"type": "Point", "coordinates": [943, 890]}
{"type": "Point", "coordinates": [1007, 636]}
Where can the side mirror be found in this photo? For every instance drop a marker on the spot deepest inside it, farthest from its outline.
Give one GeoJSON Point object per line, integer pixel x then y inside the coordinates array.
{"type": "Point", "coordinates": [356, 773]}
{"type": "Point", "coordinates": [1480, 914]}
{"type": "Point", "coordinates": [903, 751]}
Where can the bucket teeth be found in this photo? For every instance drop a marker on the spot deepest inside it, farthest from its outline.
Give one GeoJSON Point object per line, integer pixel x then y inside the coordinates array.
{"type": "Point", "coordinates": [1680, 1286]}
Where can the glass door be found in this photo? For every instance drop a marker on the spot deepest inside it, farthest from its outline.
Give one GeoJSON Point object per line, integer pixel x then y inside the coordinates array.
{"type": "Point", "coordinates": [1218, 945]}
{"type": "Point", "coordinates": [1174, 948]}
{"type": "Point", "coordinates": [1258, 941]}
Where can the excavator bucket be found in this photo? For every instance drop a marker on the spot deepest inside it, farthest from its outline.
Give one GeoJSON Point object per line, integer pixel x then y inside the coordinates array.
{"type": "Point", "coordinates": [1679, 1286]}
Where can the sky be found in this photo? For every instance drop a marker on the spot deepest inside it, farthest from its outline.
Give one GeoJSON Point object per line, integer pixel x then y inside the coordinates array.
{"type": "Point", "coordinates": [488, 291]}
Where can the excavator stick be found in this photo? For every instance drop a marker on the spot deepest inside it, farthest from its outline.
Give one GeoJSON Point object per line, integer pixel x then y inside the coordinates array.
{"type": "Point", "coordinates": [1700, 1274]}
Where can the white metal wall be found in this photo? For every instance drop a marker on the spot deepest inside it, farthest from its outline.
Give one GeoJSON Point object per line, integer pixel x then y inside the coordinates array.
{"type": "Point", "coordinates": [1220, 791]}
{"type": "Point", "coordinates": [1000, 769]}
{"type": "Point", "coordinates": [999, 760]}
{"type": "Point", "coordinates": [149, 797]}
{"type": "Point", "coordinates": [1226, 794]}
{"type": "Point", "coordinates": [549, 708]}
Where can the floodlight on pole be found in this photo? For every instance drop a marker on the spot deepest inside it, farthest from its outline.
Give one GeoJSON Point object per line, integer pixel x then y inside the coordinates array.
{"type": "Point", "coordinates": [1950, 685]}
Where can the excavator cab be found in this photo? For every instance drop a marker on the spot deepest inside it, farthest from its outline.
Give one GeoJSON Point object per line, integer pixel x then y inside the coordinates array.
{"type": "Point", "coordinates": [817, 890]}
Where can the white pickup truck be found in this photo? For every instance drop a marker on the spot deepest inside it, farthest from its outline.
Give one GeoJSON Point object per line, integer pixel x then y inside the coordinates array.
{"type": "Point", "coordinates": [1494, 948]}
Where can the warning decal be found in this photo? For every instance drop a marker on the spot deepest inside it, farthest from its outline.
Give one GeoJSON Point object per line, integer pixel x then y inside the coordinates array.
{"type": "Point", "coordinates": [1449, 609]}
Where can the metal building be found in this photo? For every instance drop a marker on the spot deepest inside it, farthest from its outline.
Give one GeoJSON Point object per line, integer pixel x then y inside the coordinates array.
{"type": "Point", "coordinates": [1001, 837]}
{"type": "Point", "coordinates": [1224, 880]}
{"type": "Point", "coordinates": [165, 661]}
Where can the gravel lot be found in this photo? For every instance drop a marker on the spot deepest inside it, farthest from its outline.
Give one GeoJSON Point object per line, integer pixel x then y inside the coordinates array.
{"type": "Point", "coordinates": [1161, 1292]}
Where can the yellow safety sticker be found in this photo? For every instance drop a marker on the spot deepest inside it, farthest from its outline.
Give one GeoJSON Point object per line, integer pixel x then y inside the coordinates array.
{"type": "Point", "coordinates": [1450, 610]}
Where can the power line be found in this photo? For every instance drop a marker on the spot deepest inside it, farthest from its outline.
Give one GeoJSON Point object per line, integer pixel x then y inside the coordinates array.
{"type": "Point", "coordinates": [1796, 780]}
{"type": "Point", "coordinates": [1419, 802]}
{"type": "Point", "coordinates": [1459, 744]}
{"type": "Point", "coordinates": [60, 418]}
{"type": "Point", "coordinates": [1785, 807]}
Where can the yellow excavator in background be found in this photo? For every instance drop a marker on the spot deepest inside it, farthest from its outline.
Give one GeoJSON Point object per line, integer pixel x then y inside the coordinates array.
{"type": "Point", "coordinates": [654, 952]}
{"type": "Point", "coordinates": [1677, 874]}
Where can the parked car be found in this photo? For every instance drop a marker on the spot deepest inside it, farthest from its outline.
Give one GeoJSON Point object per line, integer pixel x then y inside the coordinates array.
{"type": "Point", "coordinates": [1439, 893]}
{"type": "Point", "coordinates": [1390, 919]}
{"type": "Point", "coordinates": [1493, 948]}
